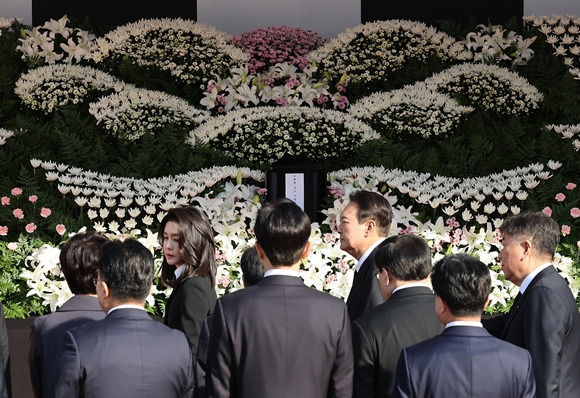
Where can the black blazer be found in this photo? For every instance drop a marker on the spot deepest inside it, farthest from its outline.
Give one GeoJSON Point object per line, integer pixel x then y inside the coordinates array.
{"type": "Point", "coordinates": [201, 361]}
{"type": "Point", "coordinates": [127, 355]}
{"type": "Point", "coordinates": [46, 335]}
{"type": "Point", "coordinates": [280, 339]}
{"type": "Point", "coordinates": [365, 292]}
{"type": "Point", "coordinates": [546, 322]}
{"type": "Point", "coordinates": [408, 317]}
{"type": "Point", "coordinates": [189, 304]}
{"type": "Point", "coordinates": [464, 361]}
{"type": "Point", "coordinates": [5, 380]}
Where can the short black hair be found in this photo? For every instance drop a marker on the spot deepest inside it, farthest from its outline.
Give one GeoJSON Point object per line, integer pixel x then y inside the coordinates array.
{"type": "Point", "coordinates": [407, 257]}
{"type": "Point", "coordinates": [127, 267]}
{"type": "Point", "coordinates": [79, 259]}
{"type": "Point", "coordinates": [541, 229]}
{"type": "Point", "coordinates": [282, 229]}
{"type": "Point", "coordinates": [252, 268]}
{"type": "Point", "coordinates": [373, 206]}
{"type": "Point", "coordinates": [463, 283]}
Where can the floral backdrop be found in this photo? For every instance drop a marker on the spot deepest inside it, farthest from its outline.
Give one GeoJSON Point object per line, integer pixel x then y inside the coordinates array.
{"type": "Point", "coordinates": [458, 127]}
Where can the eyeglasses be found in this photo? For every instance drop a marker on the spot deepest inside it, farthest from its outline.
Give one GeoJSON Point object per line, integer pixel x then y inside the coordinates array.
{"type": "Point", "coordinates": [96, 280]}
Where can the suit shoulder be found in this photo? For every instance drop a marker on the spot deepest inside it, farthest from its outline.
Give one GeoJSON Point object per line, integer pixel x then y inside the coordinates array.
{"type": "Point", "coordinates": [196, 282]}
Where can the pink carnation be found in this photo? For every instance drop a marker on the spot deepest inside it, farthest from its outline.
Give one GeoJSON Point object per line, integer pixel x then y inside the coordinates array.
{"type": "Point", "coordinates": [16, 191]}
{"type": "Point", "coordinates": [560, 197]}
{"type": "Point", "coordinates": [60, 229]}
{"type": "Point", "coordinates": [566, 230]}
{"type": "Point", "coordinates": [575, 212]}
{"type": "Point", "coordinates": [12, 246]}
{"type": "Point", "coordinates": [547, 211]}
{"type": "Point", "coordinates": [45, 212]}
{"type": "Point", "coordinates": [570, 186]}
{"type": "Point", "coordinates": [18, 213]}
{"type": "Point", "coordinates": [30, 228]}
{"type": "Point", "coordinates": [33, 198]}
{"type": "Point", "coordinates": [3, 230]}
{"type": "Point", "coordinates": [5, 200]}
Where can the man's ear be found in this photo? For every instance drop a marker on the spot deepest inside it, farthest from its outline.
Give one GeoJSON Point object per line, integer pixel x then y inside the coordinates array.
{"type": "Point", "coordinates": [486, 303]}
{"type": "Point", "coordinates": [106, 290]}
{"type": "Point", "coordinates": [527, 246]}
{"type": "Point", "coordinates": [387, 276]}
{"type": "Point", "coordinates": [261, 253]}
{"type": "Point", "coordinates": [440, 306]}
{"type": "Point", "coordinates": [306, 251]}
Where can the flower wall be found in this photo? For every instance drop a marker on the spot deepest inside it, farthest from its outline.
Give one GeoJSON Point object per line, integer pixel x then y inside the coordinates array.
{"type": "Point", "coordinates": [458, 129]}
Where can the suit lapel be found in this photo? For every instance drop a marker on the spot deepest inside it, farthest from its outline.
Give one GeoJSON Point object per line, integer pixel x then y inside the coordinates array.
{"type": "Point", "coordinates": [358, 279]}
{"type": "Point", "coordinates": [521, 299]}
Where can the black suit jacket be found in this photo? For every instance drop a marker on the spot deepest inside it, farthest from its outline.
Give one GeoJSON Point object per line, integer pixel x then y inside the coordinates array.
{"type": "Point", "coordinates": [46, 335]}
{"type": "Point", "coordinates": [201, 360]}
{"type": "Point", "coordinates": [280, 339]}
{"type": "Point", "coordinates": [5, 380]}
{"type": "Point", "coordinates": [464, 361]}
{"type": "Point", "coordinates": [189, 304]}
{"type": "Point", "coordinates": [125, 355]}
{"type": "Point", "coordinates": [365, 292]}
{"type": "Point", "coordinates": [407, 318]}
{"type": "Point", "coordinates": [546, 322]}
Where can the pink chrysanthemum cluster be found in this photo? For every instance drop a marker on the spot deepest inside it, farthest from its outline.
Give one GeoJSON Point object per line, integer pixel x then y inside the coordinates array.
{"type": "Point", "coordinates": [274, 45]}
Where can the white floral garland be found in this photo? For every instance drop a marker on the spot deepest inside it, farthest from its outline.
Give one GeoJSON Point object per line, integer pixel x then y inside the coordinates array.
{"type": "Point", "coordinates": [415, 109]}
{"type": "Point", "coordinates": [563, 33]}
{"type": "Point", "coordinates": [5, 23]}
{"type": "Point", "coordinates": [568, 131]}
{"type": "Point", "coordinates": [4, 135]}
{"type": "Point", "coordinates": [241, 121]}
{"type": "Point", "coordinates": [134, 111]}
{"type": "Point", "coordinates": [338, 55]}
{"type": "Point", "coordinates": [49, 87]}
{"type": "Point", "coordinates": [327, 267]}
{"type": "Point", "coordinates": [123, 34]}
{"type": "Point", "coordinates": [498, 89]}
{"type": "Point", "coordinates": [135, 201]}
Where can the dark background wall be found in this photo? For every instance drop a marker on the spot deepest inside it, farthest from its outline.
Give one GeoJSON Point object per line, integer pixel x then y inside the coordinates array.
{"type": "Point", "coordinates": [106, 14]}
{"type": "Point", "coordinates": [430, 11]}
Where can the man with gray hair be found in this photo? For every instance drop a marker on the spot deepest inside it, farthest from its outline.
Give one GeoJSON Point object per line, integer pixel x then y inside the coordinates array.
{"type": "Point", "coordinates": [544, 317]}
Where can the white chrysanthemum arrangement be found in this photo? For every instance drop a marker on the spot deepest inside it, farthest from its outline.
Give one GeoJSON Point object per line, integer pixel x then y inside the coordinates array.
{"type": "Point", "coordinates": [414, 110]}
{"type": "Point", "coordinates": [374, 50]}
{"type": "Point", "coordinates": [51, 87]}
{"type": "Point", "coordinates": [489, 87]}
{"type": "Point", "coordinates": [133, 112]}
{"type": "Point", "coordinates": [189, 52]}
{"type": "Point", "coordinates": [265, 134]}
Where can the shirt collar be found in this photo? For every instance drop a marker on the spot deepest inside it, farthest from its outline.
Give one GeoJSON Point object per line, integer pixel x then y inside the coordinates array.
{"type": "Point", "coordinates": [178, 271]}
{"type": "Point", "coordinates": [410, 284]}
{"type": "Point", "coordinates": [368, 253]}
{"type": "Point", "coordinates": [530, 277]}
{"type": "Point", "coordinates": [122, 306]}
{"type": "Point", "coordinates": [278, 271]}
{"type": "Point", "coordinates": [464, 323]}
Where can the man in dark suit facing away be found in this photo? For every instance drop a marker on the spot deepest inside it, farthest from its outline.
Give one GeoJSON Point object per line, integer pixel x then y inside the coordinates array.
{"type": "Point", "coordinates": [79, 258]}
{"type": "Point", "coordinates": [280, 338]}
{"type": "Point", "coordinates": [407, 317]}
{"type": "Point", "coordinates": [252, 273]}
{"type": "Point", "coordinates": [544, 318]}
{"type": "Point", "coordinates": [364, 223]}
{"type": "Point", "coordinates": [127, 354]}
{"type": "Point", "coordinates": [464, 360]}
